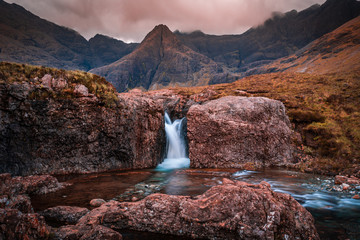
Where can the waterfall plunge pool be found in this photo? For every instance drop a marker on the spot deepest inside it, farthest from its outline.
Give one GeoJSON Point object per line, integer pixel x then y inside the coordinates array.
{"type": "Point", "coordinates": [337, 215]}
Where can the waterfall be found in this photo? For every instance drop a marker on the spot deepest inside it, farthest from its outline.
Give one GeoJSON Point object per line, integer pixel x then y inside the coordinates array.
{"type": "Point", "coordinates": [175, 142]}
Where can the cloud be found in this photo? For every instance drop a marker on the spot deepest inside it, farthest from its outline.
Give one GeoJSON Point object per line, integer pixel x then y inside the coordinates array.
{"type": "Point", "coordinates": [131, 20]}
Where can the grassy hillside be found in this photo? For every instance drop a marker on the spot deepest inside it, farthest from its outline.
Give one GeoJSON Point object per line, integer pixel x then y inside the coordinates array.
{"type": "Point", "coordinates": [98, 86]}
{"type": "Point", "coordinates": [324, 110]}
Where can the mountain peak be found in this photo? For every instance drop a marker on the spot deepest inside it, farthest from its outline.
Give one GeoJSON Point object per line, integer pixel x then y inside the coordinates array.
{"type": "Point", "coordinates": [161, 33]}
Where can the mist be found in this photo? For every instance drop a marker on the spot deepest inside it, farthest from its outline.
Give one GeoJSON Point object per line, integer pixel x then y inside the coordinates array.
{"type": "Point", "coordinates": [131, 20]}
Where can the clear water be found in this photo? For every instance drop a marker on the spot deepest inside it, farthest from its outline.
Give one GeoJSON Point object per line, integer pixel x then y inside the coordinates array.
{"type": "Point", "coordinates": [337, 215]}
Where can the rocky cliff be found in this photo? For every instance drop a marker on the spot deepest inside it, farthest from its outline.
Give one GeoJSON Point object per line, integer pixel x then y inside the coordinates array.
{"type": "Point", "coordinates": [161, 60]}
{"type": "Point", "coordinates": [233, 132]}
{"type": "Point", "coordinates": [55, 124]}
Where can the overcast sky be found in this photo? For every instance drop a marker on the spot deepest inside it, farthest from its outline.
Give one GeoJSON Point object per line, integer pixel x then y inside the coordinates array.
{"type": "Point", "coordinates": [131, 20]}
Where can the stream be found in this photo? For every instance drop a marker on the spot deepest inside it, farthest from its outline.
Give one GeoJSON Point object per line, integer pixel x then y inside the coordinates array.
{"type": "Point", "coordinates": [337, 215]}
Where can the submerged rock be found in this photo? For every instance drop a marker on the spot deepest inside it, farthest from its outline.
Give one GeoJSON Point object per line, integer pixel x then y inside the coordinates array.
{"type": "Point", "coordinates": [234, 210]}
{"type": "Point", "coordinates": [232, 132]}
{"type": "Point", "coordinates": [97, 202]}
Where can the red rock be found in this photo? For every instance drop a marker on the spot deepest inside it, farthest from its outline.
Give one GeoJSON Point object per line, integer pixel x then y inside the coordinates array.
{"type": "Point", "coordinates": [356, 196]}
{"type": "Point", "coordinates": [16, 225]}
{"type": "Point", "coordinates": [87, 232]}
{"type": "Point", "coordinates": [235, 210]}
{"type": "Point", "coordinates": [340, 179]}
{"type": "Point", "coordinates": [64, 214]}
{"type": "Point", "coordinates": [232, 132]}
{"type": "Point", "coordinates": [97, 202]}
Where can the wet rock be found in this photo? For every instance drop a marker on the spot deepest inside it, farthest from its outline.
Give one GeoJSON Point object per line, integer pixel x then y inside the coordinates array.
{"type": "Point", "coordinates": [234, 210]}
{"type": "Point", "coordinates": [82, 90]}
{"type": "Point", "coordinates": [347, 183]}
{"type": "Point", "coordinates": [64, 214]}
{"type": "Point", "coordinates": [234, 132]}
{"type": "Point", "coordinates": [35, 185]}
{"type": "Point", "coordinates": [97, 202]}
{"type": "Point", "coordinates": [16, 225]}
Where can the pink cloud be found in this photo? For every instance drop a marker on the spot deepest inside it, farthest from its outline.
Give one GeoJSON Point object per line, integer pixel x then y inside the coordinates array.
{"type": "Point", "coordinates": [130, 20]}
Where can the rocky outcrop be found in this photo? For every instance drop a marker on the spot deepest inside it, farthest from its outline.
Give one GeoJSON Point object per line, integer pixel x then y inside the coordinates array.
{"type": "Point", "coordinates": [48, 133]}
{"type": "Point", "coordinates": [17, 217]}
{"type": "Point", "coordinates": [64, 214]}
{"type": "Point", "coordinates": [233, 210]}
{"type": "Point", "coordinates": [234, 131]}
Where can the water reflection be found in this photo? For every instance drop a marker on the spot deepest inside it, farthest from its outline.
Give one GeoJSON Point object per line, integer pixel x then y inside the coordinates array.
{"type": "Point", "coordinates": [337, 216]}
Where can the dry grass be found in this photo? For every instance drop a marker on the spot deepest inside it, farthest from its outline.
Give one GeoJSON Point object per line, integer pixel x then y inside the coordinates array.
{"type": "Point", "coordinates": [325, 109]}
{"type": "Point", "coordinates": [103, 90]}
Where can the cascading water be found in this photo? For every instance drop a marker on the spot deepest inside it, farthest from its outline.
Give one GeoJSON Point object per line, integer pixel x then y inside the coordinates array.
{"type": "Point", "coordinates": [176, 149]}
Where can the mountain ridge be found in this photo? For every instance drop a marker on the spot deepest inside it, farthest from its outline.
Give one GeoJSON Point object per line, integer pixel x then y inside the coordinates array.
{"type": "Point", "coordinates": [161, 60]}
{"type": "Point", "coordinates": [27, 38]}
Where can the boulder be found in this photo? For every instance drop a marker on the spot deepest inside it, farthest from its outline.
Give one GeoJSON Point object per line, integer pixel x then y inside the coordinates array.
{"type": "Point", "coordinates": [64, 214]}
{"type": "Point", "coordinates": [17, 225]}
{"type": "Point", "coordinates": [97, 202]}
{"type": "Point", "coordinates": [81, 90]}
{"type": "Point", "coordinates": [32, 185]}
{"type": "Point", "coordinates": [234, 210]}
{"type": "Point", "coordinates": [232, 132]}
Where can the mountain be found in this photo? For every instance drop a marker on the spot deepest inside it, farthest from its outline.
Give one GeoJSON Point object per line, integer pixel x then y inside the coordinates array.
{"type": "Point", "coordinates": [107, 50]}
{"type": "Point", "coordinates": [161, 60]}
{"type": "Point", "coordinates": [279, 36]}
{"type": "Point", "coordinates": [26, 38]}
{"type": "Point", "coordinates": [337, 51]}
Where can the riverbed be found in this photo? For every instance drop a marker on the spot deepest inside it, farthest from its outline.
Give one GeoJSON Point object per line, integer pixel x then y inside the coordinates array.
{"type": "Point", "coordinates": [337, 215]}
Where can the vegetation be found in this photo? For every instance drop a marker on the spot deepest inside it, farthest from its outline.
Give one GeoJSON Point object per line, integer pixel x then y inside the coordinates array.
{"type": "Point", "coordinates": [98, 86]}
{"type": "Point", "coordinates": [324, 109]}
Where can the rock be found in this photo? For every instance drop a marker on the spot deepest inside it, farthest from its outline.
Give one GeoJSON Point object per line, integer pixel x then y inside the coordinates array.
{"type": "Point", "coordinates": [134, 199]}
{"type": "Point", "coordinates": [80, 135]}
{"type": "Point", "coordinates": [233, 210]}
{"type": "Point", "coordinates": [16, 225]}
{"type": "Point", "coordinates": [35, 185]}
{"type": "Point", "coordinates": [347, 182]}
{"type": "Point", "coordinates": [340, 179]}
{"type": "Point", "coordinates": [59, 83]}
{"type": "Point", "coordinates": [82, 90]}
{"type": "Point", "coordinates": [356, 196]}
{"type": "Point", "coordinates": [232, 132]}
{"type": "Point", "coordinates": [87, 232]}
{"type": "Point", "coordinates": [100, 232]}
{"type": "Point", "coordinates": [46, 81]}
{"type": "Point", "coordinates": [64, 214]}
{"type": "Point", "coordinates": [97, 202]}
{"type": "Point", "coordinates": [345, 186]}
{"type": "Point", "coordinates": [19, 202]}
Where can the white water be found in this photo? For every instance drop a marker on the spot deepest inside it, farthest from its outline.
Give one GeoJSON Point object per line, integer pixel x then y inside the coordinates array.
{"type": "Point", "coordinates": [175, 142]}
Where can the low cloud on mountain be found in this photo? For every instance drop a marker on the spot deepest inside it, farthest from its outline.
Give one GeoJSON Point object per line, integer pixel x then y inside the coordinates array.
{"type": "Point", "coordinates": [130, 20]}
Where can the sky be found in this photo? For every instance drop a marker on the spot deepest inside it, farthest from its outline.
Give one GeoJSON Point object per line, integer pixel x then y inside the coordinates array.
{"type": "Point", "coordinates": [131, 20]}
